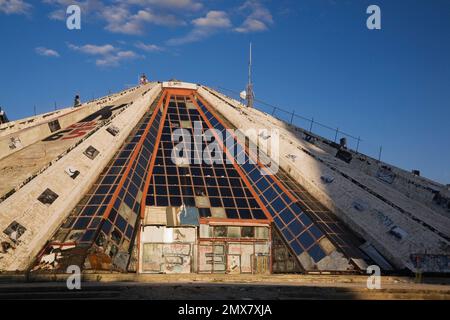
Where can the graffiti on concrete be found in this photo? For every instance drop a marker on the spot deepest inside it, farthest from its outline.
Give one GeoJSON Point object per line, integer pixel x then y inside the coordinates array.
{"type": "Point", "coordinates": [385, 174]}
{"type": "Point", "coordinates": [434, 263]}
{"type": "Point", "coordinates": [81, 128]}
{"type": "Point", "coordinates": [383, 219]}
{"type": "Point", "coordinates": [167, 257]}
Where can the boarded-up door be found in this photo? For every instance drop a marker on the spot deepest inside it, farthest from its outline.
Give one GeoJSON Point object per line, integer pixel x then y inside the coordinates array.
{"type": "Point", "coordinates": [261, 264]}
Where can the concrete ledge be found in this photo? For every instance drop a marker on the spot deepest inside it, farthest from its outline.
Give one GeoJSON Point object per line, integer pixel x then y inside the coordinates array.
{"type": "Point", "coordinates": [186, 287]}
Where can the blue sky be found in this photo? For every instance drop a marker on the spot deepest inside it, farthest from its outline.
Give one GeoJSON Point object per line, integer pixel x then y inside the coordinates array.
{"type": "Point", "coordinates": [317, 57]}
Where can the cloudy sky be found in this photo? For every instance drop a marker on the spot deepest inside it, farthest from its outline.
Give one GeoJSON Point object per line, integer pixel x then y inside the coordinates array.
{"type": "Point", "coordinates": [317, 57]}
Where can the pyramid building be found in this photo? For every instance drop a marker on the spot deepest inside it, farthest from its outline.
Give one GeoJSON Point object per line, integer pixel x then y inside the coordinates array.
{"type": "Point", "coordinates": [164, 178]}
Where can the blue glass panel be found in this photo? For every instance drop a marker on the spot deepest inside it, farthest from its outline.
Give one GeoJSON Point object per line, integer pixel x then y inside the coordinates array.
{"type": "Point", "coordinates": [286, 215]}
{"type": "Point", "coordinates": [255, 175]}
{"type": "Point", "coordinates": [94, 223]}
{"type": "Point", "coordinates": [287, 235]}
{"type": "Point", "coordinates": [245, 213]}
{"type": "Point", "coordinates": [278, 205]}
{"type": "Point", "coordinates": [112, 214]}
{"type": "Point", "coordinates": [89, 211]}
{"type": "Point", "coordinates": [88, 236]}
{"type": "Point", "coordinates": [316, 232]}
{"type": "Point", "coordinates": [106, 226]}
{"type": "Point", "coordinates": [81, 223]}
{"type": "Point", "coordinates": [305, 220]}
{"type": "Point", "coordinates": [287, 199]}
{"type": "Point", "coordinates": [259, 214]}
{"type": "Point", "coordinates": [278, 222]}
{"type": "Point", "coordinates": [316, 253]}
{"type": "Point", "coordinates": [296, 248]}
{"type": "Point", "coordinates": [296, 208]}
{"type": "Point", "coordinates": [232, 213]}
{"type": "Point", "coordinates": [296, 227]}
{"type": "Point", "coordinates": [306, 240]}
{"type": "Point", "coordinates": [129, 232]}
{"type": "Point", "coordinates": [270, 193]}
{"type": "Point", "coordinates": [121, 223]}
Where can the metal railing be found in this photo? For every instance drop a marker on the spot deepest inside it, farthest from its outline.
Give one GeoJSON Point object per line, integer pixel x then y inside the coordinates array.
{"type": "Point", "coordinates": [313, 126]}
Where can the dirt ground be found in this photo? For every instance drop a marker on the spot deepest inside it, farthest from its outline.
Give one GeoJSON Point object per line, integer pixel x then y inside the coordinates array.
{"type": "Point", "coordinates": [223, 287]}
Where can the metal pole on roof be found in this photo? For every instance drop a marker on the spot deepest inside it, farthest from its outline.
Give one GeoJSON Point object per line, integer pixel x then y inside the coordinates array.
{"type": "Point", "coordinates": [379, 154]}
{"type": "Point", "coordinates": [273, 111]}
{"type": "Point", "coordinates": [292, 116]}
{"type": "Point", "coordinates": [310, 127]}
{"type": "Point", "coordinates": [250, 95]}
{"type": "Point", "coordinates": [357, 144]}
{"type": "Point", "coordinates": [335, 136]}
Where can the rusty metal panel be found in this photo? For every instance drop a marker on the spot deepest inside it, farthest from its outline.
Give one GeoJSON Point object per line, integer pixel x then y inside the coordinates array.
{"type": "Point", "coordinates": [261, 264]}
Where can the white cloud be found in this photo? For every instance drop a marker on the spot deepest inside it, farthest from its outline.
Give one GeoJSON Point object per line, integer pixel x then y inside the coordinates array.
{"type": "Point", "coordinates": [119, 19]}
{"type": "Point", "coordinates": [47, 52]}
{"type": "Point", "coordinates": [113, 60]}
{"type": "Point", "coordinates": [107, 55]}
{"type": "Point", "coordinates": [259, 18]}
{"type": "Point", "coordinates": [148, 47]}
{"type": "Point", "coordinates": [130, 17]}
{"type": "Point", "coordinates": [88, 7]}
{"type": "Point", "coordinates": [15, 7]}
{"type": "Point", "coordinates": [94, 49]}
{"type": "Point", "coordinates": [213, 19]}
{"type": "Point", "coordinates": [204, 27]}
{"type": "Point", "coordinates": [170, 4]}
{"type": "Point", "coordinates": [59, 14]}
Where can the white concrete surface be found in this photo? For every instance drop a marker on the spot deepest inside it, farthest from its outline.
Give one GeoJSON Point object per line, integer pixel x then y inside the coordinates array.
{"type": "Point", "coordinates": [340, 195]}
{"type": "Point", "coordinates": [40, 220]}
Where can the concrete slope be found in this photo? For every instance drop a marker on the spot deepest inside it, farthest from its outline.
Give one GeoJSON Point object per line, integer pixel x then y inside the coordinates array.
{"type": "Point", "coordinates": [397, 226]}
{"type": "Point", "coordinates": [37, 209]}
{"type": "Point", "coordinates": [17, 168]}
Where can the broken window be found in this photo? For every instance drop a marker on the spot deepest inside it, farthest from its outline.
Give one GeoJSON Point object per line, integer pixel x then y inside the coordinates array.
{"type": "Point", "coordinates": [5, 246]}
{"type": "Point", "coordinates": [54, 125]}
{"type": "Point", "coordinates": [101, 239]}
{"type": "Point", "coordinates": [248, 232]}
{"type": "Point", "coordinates": [116, 236]}
{"type": "Point", "coordinates": [113, 130]}
{"type": "Point", "coordinates": [327, 178]}
{"type": "Point", "coordinates": [14, 231]}
{"type": "Point", "coordinates": [14, 143]}
{"type": "Point", "coordinates": [75, 235]}
{"type": "Point", "coordinates": [112, 250]}
{"type": "Point", "coordinates": [220, 232]}
{"type": "Point", "coordinates": [72, 172]}
{"type": "Point", "coordinates": [91, 152]}
{"type": "Point", "coordinates": [385, 174]}
{"type": "Point", "coordinates": [398, 233]}
{"type": "Point", "coordinates": [344, 155]}
{"type": "Point", "coordinates": [48, 197]}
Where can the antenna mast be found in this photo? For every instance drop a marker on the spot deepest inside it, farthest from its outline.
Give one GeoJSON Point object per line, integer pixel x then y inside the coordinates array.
{"type": "Point", "coordinates": [250, 96]}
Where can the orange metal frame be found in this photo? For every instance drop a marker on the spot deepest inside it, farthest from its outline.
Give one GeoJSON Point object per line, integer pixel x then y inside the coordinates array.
{"type": "Point", "coordinates": [167, 93]}
{"type": "Point", "coordinates": [239, 170]}
{"type": "Point", "coordinates": [236, 221]}
{"type": "Point", "coordinates": [132, 158]}
{"type": "Point", "coordinates": [241, 173]}
{"type": "Point", "coordinates": [275, 179]}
